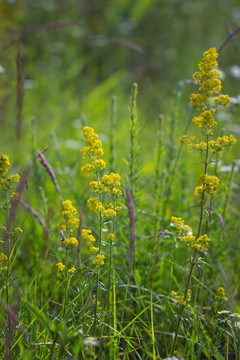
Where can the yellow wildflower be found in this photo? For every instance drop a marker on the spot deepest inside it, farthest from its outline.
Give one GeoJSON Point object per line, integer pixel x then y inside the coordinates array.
{"type": "Point", "coordinates": [205, 120]}
{"type": "Point", "coordinates": [181, 228]}
{"type": "Point", "coordinates": [18, 231]}
{"type": "Point", "coordinates": [4, 165]}
{"type": "Point", "coordinates": [219, 298]}
{"type": "Point", "coordinates": [201, 244]}
{"type": "Point", "coordinates": [87, 236]}
{"type": "Point", "coordinates": [72, 270]}
{"type": "Point", "coordinates": [94, 249]}
{"type": "Point", "coordinates": [69, 242]}
{"type": "Point", "coordinates": [207, 183]}
{"type": "Point", "coordinates": [14, 179]}
{"type": "Point", "coordinates": [3, 257]}
{"type": "Point", "coordinates": [85, 233]}
{"type": "Point", "coordinates": [198, 100]}
{"type": "Point", "coordinates": [189, 239]}
{"type": "Point", "coordinates": [60, 266]}
{"type": "Point", "coordinates": [109, 213]}
{"type": "Point", "coordinates": [111, 180]}
{"type": "Point", "coordinates": [110, 237]}
{"type": "Point", "coordinates": [87, 170]}
{"type": "Point", "coordinates": [95, 205]}
{"type": "Point", "coordinates": [178, 299]}
{"type": "Point", "coordinates": [222, 101]}
{"type": "Point", "coordinates": [221, 143]}
{"type": "Point", "coordinates": [97, 186]}
{"type": "Point", "coordinates": [94, 145]}
{"type": "Point", "coordinates": [100, 164]}
{"type": "Point", "coordinates": [99, 260]}
{"type": "Point", "coordinates": [74, 222]}
{"type": "Point", "coordinates": [68, 210]}
{"type": "Point", "coordinates": [188, 142]}
{"type": "Point", "coordinates": [202, 146]}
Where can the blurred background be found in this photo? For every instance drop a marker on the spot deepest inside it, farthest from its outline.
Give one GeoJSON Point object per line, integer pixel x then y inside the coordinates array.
{"type": "Point", "coordinates": [62, 61]}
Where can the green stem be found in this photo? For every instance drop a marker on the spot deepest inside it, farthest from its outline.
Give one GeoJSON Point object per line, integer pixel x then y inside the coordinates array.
{"type": "Point", "coordinates": [8, 252]}
{"type": "Point", "coordinates": [66, 285]}
{"type": "Point", "coordinates": [110, 285]}
{"type": "Point", "coordinates": [193, 261]}
{"type": "Point", "coordinates": [98, 270]}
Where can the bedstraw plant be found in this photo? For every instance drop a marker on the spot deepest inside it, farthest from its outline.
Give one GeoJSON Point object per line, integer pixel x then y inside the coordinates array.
{"type": "Point", "coordinates": [208, 101]}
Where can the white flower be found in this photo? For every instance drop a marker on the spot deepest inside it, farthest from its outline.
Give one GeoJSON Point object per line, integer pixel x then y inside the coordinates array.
{"type": "Point", "coordinates": [90, 341]}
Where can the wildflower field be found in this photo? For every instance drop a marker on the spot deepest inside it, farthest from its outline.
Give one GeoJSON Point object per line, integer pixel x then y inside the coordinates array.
{"type": "Point", "coordinates": [119, 180]}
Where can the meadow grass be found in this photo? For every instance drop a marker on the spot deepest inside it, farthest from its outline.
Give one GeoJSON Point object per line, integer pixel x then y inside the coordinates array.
{"type": "Point", "coordinates": [112, 271]}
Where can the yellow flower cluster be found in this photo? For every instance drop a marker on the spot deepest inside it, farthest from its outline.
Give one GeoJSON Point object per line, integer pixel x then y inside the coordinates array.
{"type": "Point", "coordinates": [4, 165]}
{"type": "Point", "coordinates": [179, 299]}
{"type": "Point", "coordinates": [188, 142]}
{"type": "Point", "coordinates": [221, 143]}
{"type": "Point", "coordinates": [70, 242]}
{"type": "Point", "coordinates": [6, 182]}
{"type": "Point", "coordinates": [207, 184]}
{"type": "Point", "coordinates": [205, 119]}
{"type": "Point", "coordinates": [94, 145]}
{"type": "Point", "coordinates": [101, 184]}
{"type": "Point", "coordinates": [89, 239]}
{"type": "Point", "coordinates": [96, 206]}
{"type": "Point", "coordinates": [222, 101]}
{"type": "Point", "coordinates": [72, 270]}
{"type": "Point", "coordinates": [110, 182]}
{"type": "Point", "coordinates": [91, 168]}
{"type": "Point", "coordinates": [67, 212]}
{"type": "Point", "coordinates": [94, 150]}
{"type": "Point", "coordinates": [17, 231]}
{"type": "Point", "coordinates": [201, 244]}
{"type": "Point", "coordinates": [181, 228]}
{"type": "Point", "coordinates": [220, 297]}
{"type": "Point", "coordinates": [202, 146]}
{"type": "Point", "coordinates": [60, 267]}
{"type": "Point", "coordinates": [3, 259]}
{"type": "Point", "coordinates": [209, 78]}
{"type": "Point", "coordinates": [94, 249]}
{"type": "Point", "coordinates": [110, 237]}
{"type": "Point", "coordinates": [214, 145]}
{"type": "Point", "coordinates": [87, 236]}
{"type": "Point", "coordinates": [188, 239]}
{"type": "Point", "coordinates": [14, 179]}
{"type": "Point", "coordinates": [99, 260]}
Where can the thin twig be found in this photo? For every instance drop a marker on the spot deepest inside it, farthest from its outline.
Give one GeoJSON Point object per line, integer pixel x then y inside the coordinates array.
{"type": "Point", "coordinates": [161, 233]}
{"type": "Point", "coordinates": [229, 38]}
{"type": "Point", "coordinates": [27, 31]}
{"type": "Point", "coordinates": [50, 172]}
{"type": "Point", "coordinates": [36, 215]}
